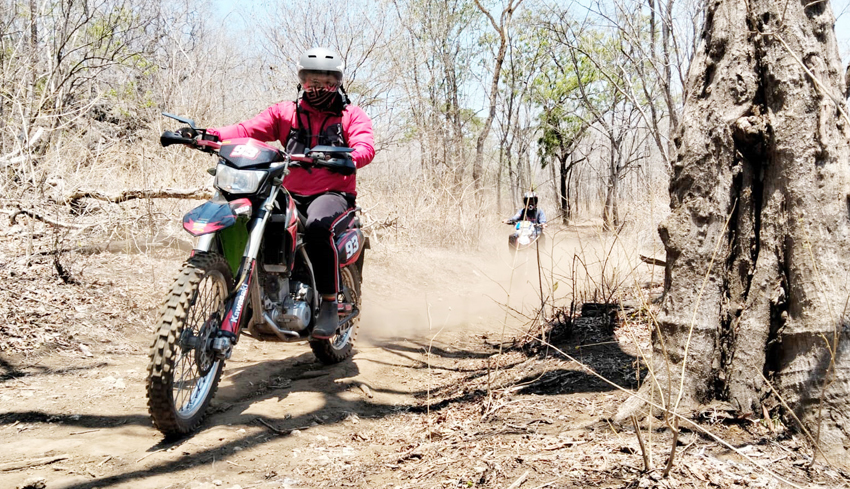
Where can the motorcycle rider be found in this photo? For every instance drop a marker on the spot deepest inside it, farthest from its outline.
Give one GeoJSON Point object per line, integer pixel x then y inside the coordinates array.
{"type": "Point", "coordinates": [529, 211]}
{"type": "Point", "coordinates": [321, 115]}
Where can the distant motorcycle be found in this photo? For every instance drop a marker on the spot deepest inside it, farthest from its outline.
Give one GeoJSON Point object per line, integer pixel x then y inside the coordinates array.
{"type": "Point", "coordinates": [526, 234]}
{"type": "Point", "coordinates": [249, 274]}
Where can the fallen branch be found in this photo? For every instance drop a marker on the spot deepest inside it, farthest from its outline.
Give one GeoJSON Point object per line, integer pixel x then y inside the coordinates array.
{"type": "Point", "coordinates": [277, 431]}
{"type": "Point", "coordinates": [131, 194]}
{"type": "Point", "coordinates": [149, 454]}
{"type": "Point", "coordinates": [366, 391]}
{"type": "Point", "coordinates": [519, 481]}
{"type": "Point", "coordinates": [52, 222]}
{"type": "Point", "coordinates": [274, 430]}
{"type": "Point", "coordinates": [652, 261]}
{"type": "Point", "coordinates": [122, 246]}
{"type": "Point", "coordinates": [26, 464]}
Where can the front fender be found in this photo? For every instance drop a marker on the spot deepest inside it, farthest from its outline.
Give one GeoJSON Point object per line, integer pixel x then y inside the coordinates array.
{"type": "Point", "coordinates": [224, 220]}
{"type": "Point", "coordinates": [215, 215]}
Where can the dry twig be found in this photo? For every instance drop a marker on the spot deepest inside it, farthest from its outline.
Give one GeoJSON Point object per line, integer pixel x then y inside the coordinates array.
{"type": "Point", "coordinates": [647, 465]}
{"type": "Point", "coordinates": [519, 481]}
{"type": "Point", "coordinates": [9, 466]}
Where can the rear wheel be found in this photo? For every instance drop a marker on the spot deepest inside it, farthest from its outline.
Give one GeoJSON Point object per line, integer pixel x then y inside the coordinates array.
{"type": "Point", "coordinates": [339, 347]}
{"type": "Point", "coordinates": [183, 373]}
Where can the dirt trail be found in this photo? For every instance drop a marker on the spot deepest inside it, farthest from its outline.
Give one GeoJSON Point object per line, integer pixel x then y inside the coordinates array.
{"type": "Point", "coordinates": [425, 402]}
{"type": "Point", "coordinates": [81, 421]}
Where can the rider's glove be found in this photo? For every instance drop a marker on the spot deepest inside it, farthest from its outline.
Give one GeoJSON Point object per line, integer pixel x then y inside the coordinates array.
{"type": "Point", "coordinates": [318, 158]}
{"type": "Point", "coordinates": [187, 132]}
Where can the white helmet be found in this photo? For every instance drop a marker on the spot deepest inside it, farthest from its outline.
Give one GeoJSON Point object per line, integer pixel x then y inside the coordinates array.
{"type": "Point", "coordinates": [320, 68]}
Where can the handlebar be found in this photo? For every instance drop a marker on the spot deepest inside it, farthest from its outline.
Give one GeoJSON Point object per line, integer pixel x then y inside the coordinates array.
{"type": "Point", "coordinates": [344, 166]}
{"type": "Point", "coordinates": [210, 144]}
{"type": "Point", "coordinates": [540, 225]}
{"type": "Point", "coordinates": [205, 142]}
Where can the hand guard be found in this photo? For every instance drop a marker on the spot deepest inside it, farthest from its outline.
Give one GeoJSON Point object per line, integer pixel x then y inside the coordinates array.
{"type": "Point", "coordinates": [344, 166]}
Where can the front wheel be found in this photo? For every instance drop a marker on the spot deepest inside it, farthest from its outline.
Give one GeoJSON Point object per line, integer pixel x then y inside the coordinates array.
{"type": "Point", "coordinates": [338, 347]}
{"type": "Point", "coordinates": [183, 373]}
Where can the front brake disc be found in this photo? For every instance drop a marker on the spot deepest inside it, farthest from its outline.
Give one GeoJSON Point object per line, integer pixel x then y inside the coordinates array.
{"type": "Point", "coordinates": [204, 355]}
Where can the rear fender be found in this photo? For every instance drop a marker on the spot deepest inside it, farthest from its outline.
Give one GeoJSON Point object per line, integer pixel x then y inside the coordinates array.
{"type": "Point", "coordinates": [361, 258]}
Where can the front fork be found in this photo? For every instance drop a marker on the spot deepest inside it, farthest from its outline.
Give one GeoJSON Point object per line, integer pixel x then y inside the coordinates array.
{"type": "Point", "coordinates": [228, 334]}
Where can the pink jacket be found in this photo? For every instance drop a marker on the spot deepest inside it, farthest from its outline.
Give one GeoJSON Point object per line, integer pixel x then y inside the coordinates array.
{"type": "Point", "coordinates": [279, 121]}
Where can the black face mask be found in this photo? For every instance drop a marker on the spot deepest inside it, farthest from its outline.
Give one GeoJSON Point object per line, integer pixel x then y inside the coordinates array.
{"type": "Point", "coordinates": [321, 99]}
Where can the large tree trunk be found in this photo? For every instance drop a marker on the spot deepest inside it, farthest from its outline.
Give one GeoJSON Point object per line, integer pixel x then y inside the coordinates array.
{"type": "Point", "coordinates": [761, 217]}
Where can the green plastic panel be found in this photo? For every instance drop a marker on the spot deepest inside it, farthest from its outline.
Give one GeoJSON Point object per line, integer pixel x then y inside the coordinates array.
{"type": "Point", "coordinates": [233, 240]}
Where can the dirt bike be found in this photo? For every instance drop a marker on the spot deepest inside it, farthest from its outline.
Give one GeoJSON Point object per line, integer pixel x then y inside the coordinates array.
{"type": "Point", "coordinates": [249, 274]}
{"type": "Point", "coordinates": [525, 234]}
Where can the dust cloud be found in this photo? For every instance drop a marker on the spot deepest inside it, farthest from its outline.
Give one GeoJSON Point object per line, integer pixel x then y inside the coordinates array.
{"type": "Point", "coordinates": [421, 294]}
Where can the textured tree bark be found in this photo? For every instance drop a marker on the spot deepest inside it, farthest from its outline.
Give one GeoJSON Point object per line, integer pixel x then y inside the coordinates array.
{"type": "Point", "coordinates": [758, 241]}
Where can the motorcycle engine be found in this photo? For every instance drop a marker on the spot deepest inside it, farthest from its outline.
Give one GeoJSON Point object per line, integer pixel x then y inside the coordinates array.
{"type": "Point", "coordinates": [288, 304]}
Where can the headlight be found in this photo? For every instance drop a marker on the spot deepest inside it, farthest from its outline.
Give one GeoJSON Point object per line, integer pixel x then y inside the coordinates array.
{"type": "Point", "coordinates": [235, 181]}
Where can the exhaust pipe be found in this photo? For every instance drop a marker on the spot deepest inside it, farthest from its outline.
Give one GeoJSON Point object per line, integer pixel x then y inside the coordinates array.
{"type": "Point", "coordinates": [283, 334]}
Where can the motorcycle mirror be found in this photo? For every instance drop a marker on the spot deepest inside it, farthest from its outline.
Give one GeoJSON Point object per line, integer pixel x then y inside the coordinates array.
{"type": "Point", "coordinates": [188, 122]}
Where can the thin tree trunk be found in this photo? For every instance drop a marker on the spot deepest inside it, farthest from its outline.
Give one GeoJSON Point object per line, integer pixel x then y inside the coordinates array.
{"type": "Point", "coordinates": [672, 110]}
{"type": "Point", "coordinates": [563, 195]}
{"type": "Point", "coordinates": [499, 182]}
{"type": "Point", "coordinates": [610, 213]}
{"type": "Point", "coordinates": [502, 30]}
{"type": "Point", "coordinates": [33, 67]}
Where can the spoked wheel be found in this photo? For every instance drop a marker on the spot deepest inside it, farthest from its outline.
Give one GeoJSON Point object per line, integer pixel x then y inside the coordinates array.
{"type": "Point", "coordinates": [338, 347]}
{"type": "Point", "coordinates": [183, 373]}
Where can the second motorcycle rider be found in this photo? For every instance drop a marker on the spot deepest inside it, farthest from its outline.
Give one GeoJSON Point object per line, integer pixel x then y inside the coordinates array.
{"type": "Point", "coordinates": [321, 115]}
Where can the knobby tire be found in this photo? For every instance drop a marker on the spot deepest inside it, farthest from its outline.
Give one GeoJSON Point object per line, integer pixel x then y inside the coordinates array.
{"type": "Point", "coordinates": [169, 360]}
{"type": "Point", "coordinates": [338, 347]}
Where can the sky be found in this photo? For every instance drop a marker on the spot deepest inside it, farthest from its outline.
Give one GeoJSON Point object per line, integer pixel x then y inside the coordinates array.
{"type": "Point", "coordinates": [240, 12]}
{"type": "Point", "coordinates": [842, 27]}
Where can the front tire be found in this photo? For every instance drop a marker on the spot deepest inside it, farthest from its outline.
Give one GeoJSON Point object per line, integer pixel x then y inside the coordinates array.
{"type": "Point", "coordinates": [183, 373]}
{"type": "Point", "coordinates": [339, 347]}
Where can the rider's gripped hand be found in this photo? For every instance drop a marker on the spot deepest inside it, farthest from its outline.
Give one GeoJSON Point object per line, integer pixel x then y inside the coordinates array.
{"type": "Point", "coordinates": [319, 158]}
{"type": "Point", "coordinates": [187, 132]}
